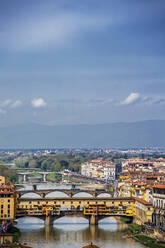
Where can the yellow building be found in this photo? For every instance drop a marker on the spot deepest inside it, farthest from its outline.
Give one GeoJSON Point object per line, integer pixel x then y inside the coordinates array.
{"type": "Point", "coordinates": [5, 238]}
{"type": "Point", "coordinates": [2, 180]}
{"type": "Point", "coordinates": [7, 201]}
{"type": "Point", "coordinates": [144, 211]}
{"type": "Point", "coordinates": [138, 190]}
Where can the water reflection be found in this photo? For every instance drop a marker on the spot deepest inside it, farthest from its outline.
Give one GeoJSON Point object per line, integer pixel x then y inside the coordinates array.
{"type": "Point", "coordinates": [72, 232]}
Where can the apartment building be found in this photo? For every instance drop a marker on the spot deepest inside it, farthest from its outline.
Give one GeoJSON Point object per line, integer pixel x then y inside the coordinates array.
{"type": "Point", "coordinates": [137, 165]}
{"type": "Point", "coordinates": [98, 168]}
{"type": "Point", "coordinates": [158, 198]}
{"type": "Point", "coordinates": [7, 201]}
{"type": "Point", "coordinates": [144, 211]}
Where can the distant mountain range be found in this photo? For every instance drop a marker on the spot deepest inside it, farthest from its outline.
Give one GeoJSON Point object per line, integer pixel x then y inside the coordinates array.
{"type": "Point", "coordinates": [114, 135]}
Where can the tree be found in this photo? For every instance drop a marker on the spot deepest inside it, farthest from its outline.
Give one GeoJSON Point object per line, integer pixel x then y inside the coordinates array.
{"type": "Point", "coordinates": [33, 163]}
{"type": "Point", "coordinates": [10, 174]}
{"type": "Point", "coordinates": [64, 164]}
{"type": "Point", "coordinates": [22, 162]}
{"type": "Point", "coordinates": [57, 166]}
{"type": "Point", "coordinates": [44, 165]}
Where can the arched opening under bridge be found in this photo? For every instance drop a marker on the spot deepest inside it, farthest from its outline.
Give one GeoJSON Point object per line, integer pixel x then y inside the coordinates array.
{"type": "Point", "coordinates": [108, 223]}
{"type": "Point", "coordinates": [30, 195]}
{"type": "Point", "coordinates": [56, 194]}
{"type": "Point", "coordinates": [31, 223]}
{"type": "Point", "coordinates": [71, 223]}
{"type": "Point", "coordinates": [82, 194]}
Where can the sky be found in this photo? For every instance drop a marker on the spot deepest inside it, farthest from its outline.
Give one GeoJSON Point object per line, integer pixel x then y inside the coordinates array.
{"type": "Point", "coordinates": [85, 61]}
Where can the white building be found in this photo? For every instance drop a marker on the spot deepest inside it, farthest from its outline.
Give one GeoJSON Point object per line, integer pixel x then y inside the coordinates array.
{"type": "Point", "coordinates": [109, 172]}
{"type": "Point", "coordinates": [158, 198]}
{"type": "Point", "coordinates": [99, 168]}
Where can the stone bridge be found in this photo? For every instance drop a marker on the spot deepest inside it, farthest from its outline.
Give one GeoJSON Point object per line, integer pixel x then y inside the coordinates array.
{"type": "Point", "coordinates": [69, 192]}
{"type": "Point", "coordinates": [28, 173]}
{"type": "Point", "coordinates": [94, 209]}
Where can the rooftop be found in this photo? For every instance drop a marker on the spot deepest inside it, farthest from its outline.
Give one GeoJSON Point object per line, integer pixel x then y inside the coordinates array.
{"type": "Point", "coordinates": [143, 201]}
{"type": "Point", "coordinates": [159, 186]}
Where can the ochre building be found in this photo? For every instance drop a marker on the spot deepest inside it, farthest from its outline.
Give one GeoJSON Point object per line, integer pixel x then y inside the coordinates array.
{"type": "Point", "coordinates": [7, 201]}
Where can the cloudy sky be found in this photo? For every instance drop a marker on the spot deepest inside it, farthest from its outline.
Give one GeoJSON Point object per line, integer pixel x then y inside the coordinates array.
{"type": "Point", "coordinates": [81, 61]}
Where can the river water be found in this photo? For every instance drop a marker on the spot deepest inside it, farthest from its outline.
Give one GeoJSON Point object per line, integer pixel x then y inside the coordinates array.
{"type": "Point", "coordinates": [74, 232]}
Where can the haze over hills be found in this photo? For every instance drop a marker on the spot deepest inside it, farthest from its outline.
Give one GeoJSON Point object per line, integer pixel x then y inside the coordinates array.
{"type": "Point", "coordinates": [114, 135]}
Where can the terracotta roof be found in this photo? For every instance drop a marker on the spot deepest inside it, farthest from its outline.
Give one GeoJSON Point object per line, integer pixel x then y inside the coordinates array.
{"type": "Point", "coordinates": [159, 186]}
{"type": "Point", "coordinates": [143, 201]}
{"type": "Point", "coordinates": [140, 162]}
{"type": "Point", "coordinates": [160, 159]}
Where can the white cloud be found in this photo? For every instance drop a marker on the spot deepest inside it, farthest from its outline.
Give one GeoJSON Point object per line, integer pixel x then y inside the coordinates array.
{"type": "Point", "coordinates": [132, 98]}
{"type": "Point", "coordinates": [38, 103]}
{"type": "Point", "coordinates": [16, 104]}
{"type": "Point", "coordinates": [9, 104]}
{"type": "Point", "coordinates": [5, 103]}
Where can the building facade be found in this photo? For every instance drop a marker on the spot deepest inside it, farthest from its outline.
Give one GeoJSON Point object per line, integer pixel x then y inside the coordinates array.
{"type": "Point", "coordinates": [158, 198]}
{"type": "Point", "coordinates": [7, 203]}
{"type": "Point", "coordinates": [98, 168]}
{"type": "Point", "coordinates": [144, 211]}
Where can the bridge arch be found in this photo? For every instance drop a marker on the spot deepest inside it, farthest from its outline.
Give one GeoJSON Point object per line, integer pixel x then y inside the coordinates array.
{"type": "Point", "coordinates": [80, 208]}
{"type": "Point", "coordinates": [30, 222]}
{"type": "Point", "coordinates": [56, 193]}
{"type": "Point", "coordinates": [30, 195]}
{"type": "Point", "coordinates": [106, 221]}
{"type": "Point", "coordinates": [70, 223]}
{"type": "Point", "coordinates": [82, 194]}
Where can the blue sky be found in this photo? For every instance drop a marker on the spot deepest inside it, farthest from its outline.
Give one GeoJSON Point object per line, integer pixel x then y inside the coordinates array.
{"type": "Point", "coordinates": [85, 61]}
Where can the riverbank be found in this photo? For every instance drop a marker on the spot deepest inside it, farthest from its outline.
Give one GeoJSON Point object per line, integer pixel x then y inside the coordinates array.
{"type": "Point", "coordinates": [147, 241]}
{"type": "Point", "coordinates": [135, 232]}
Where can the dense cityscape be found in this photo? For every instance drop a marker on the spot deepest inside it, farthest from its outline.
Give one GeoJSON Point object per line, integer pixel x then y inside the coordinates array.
{"type": "Point", "coordinates": [129, 185]}
{"type": "Point", "coordinates": [82, 124]}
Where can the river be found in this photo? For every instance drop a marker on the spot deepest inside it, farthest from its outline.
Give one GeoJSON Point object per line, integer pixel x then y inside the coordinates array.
{"type": "Point", "coordinates": [74, 232]}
